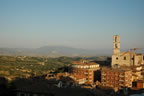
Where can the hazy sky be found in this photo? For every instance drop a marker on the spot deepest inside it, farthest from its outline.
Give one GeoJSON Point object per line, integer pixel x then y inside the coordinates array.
{"type": "Point", "coordinates": [88, 24]}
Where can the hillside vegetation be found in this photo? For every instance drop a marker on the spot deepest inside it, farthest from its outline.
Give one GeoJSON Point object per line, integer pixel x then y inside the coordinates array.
{"type": "Point", "coordinates": [23, 66]}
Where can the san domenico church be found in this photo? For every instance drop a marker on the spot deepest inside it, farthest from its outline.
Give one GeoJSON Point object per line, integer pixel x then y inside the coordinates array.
{"type": "Point", "coordinates": [128, 58]}
{"type": "Point", "coordinates": [126, 68]}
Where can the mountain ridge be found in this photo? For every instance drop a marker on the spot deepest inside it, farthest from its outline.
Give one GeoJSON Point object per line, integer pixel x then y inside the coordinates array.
{"type": "Point", "coordinates": [53, 51]}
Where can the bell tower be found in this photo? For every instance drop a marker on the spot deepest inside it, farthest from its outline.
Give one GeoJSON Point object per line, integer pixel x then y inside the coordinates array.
{"type": "Point", "coordinates": [116, 44]}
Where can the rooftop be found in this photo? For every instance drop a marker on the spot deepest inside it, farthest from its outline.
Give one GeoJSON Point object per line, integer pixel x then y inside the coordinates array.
{"type": "Point", "coordinates": [84, 62]}
{"type": "Point", "coordinates": [119, 69]}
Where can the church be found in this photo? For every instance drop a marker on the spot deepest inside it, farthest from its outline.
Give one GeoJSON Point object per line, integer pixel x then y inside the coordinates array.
{"type": "Point", "coordinates": [129, 58]}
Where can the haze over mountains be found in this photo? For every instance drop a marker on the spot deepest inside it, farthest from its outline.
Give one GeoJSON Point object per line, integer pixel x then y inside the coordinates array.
{"type": "Point", "coordinates": [54, 51]}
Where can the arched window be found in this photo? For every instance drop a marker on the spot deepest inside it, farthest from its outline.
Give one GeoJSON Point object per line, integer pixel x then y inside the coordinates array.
{"type": "Point", "coordinates": [115, 39]}
{"type": "Point", "coordinates": [116, 65]}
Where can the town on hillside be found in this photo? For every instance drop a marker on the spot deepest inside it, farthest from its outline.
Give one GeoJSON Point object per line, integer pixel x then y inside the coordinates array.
{"type": "Point", "coordinates": [122, 74]}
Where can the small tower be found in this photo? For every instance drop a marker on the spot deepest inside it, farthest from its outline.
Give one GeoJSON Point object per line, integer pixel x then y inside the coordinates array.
{"type": "Point", "coordinates": [116, 44]}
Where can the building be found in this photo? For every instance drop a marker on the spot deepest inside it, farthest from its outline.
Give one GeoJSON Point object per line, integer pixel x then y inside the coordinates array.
{"type": "Point", "coordinates": [128, 58]}
{"type": "Point", "coordinates": [116, 77]}
{"type": "Point", "coordinates": [138, 85]}
{"type": "Point", "coordinates": [136, 73]}
{"type": "Point", "coordinates": [127, 67]}
{"type": "Point", "coordinates": [84, 71]}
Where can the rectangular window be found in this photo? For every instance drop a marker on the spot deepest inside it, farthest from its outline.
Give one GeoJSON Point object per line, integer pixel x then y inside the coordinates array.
{"type": "Point", "coordinates": [125, 58]}
{"type": "Point", "coordinates": [116, 46]}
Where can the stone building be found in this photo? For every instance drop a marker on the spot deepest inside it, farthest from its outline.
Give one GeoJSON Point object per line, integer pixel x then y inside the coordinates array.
{"type": "Point", "coordinates": [131, 59]}
{"type": "Point", "coordinates": [128, 58]}
{"type": "Point", "coordinates": [84, 71]}
{"type": "Point", "coordinates": [127, 67]}
{"type": "Point", "coordinates": [116, 77]}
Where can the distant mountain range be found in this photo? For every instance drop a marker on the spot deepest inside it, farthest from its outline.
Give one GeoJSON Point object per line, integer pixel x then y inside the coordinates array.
{"type": "Point", "coordinates": [53, 51]}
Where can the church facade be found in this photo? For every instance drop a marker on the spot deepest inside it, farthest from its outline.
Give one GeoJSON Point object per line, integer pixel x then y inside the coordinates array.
{"type": "Point", "coordinates": [128, 58]}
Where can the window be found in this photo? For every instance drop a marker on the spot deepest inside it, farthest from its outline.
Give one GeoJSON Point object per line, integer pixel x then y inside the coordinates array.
{"type": "Point", "coordinates": [116, 65]}
{"type": "Point", "coordinates": [116, 46]}
{"type": "Point", "coordinates": [124, 57]}
{"type": "Point", "coordinates": [116, 58]}
{"type": "Point", "coordinates": [115, 39]}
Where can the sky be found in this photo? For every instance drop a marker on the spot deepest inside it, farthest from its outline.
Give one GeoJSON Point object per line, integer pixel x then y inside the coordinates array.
{"type": "Point", "coordinates": [88, 24]}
